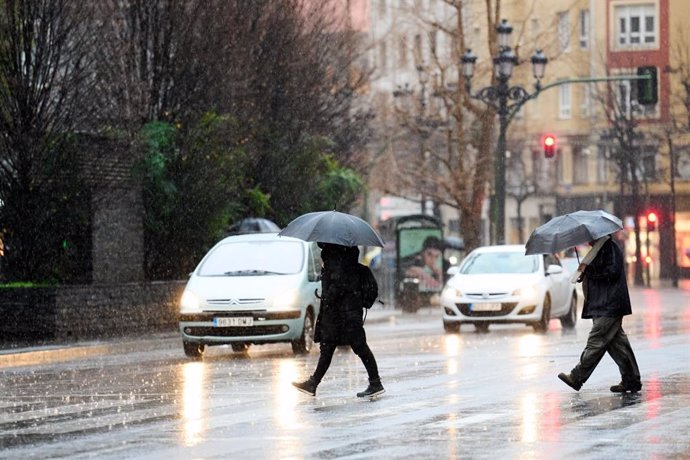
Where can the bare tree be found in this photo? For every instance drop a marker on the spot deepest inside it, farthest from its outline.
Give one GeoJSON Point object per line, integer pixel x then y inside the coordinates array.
{"type": "Point", "coordinates": [627, 151]}
{"type": "Point", "coordinates": [44, 73]}
{"type": "Point", "coordinates": [446, 148]}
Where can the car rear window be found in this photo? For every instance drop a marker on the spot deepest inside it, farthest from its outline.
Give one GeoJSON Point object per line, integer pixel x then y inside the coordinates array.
{"type": "Point", "coordinates": [249, 258]}
{"type": "Point", "coordinates": [481, 263]}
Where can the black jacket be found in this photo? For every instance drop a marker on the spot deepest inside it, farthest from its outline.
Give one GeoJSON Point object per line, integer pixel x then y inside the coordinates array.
{"type": "Point", "coordinates": [340, 317]}
{"type": "Point", "coordinates": [605, 286]}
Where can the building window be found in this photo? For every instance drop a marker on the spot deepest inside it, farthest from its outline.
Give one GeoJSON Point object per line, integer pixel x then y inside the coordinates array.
{"type": "Point", "coordinates": [586, 101]}
{"type": "Point", "coordinates": [564, 30]}
{"type": "Point", "coordinates": [648, 164]}
{"type": "Point", "coordinates": [382, 55]}
{"type": "Point", "coordinates": [433, 42]}
{"type": "Point", "coordinates": [584, 29]}
{"type": "Point", "coordinates": [580, 173]}
{"type": "Point", "coordinates": [636, 25]}
{"type": "Point", "coordinates": [602, 165]}
{"type": "Point", "coordinates": [624, 97]}
{"type": "Point", "coordinates": [534, 28]}
{"type": "Point", "coordinates": [564, 102]}
{"type": "Point", "coordinates": [402, 52]}
{"type": "Point", "coordinates": [418, 56]}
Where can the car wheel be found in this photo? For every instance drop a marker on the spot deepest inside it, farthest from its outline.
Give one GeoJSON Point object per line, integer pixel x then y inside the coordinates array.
{"type": "Point", "coordinates": [481, 327]}
{"type": "Point", "coordinates": [451, 327]}
{"type": "Point", "coordinates": [570, 319]}
{"type": "Point", "coordinates": [543, 324]}
{"type": "Point", "coordinates": [193, 349]}
{"type": "Point", "coordinates": [240, 347]}
{"type": "Point", "coordinates": [306, 342]}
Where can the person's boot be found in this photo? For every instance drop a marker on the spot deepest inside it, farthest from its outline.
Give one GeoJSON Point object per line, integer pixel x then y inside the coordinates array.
{"type": "Point", "coordinates": [623, 388]}
{"type": "Point", "coordinates": [570, 381]}
{"type": "Point", "coordinates": [308, 386]}
{"type": "Point", "coordinates": [374, 389]}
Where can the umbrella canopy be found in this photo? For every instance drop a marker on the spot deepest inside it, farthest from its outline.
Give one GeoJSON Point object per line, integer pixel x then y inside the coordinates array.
{"type": "Point", "coordinates": [333, 227]}
{"type": "Point", "coordinates": [570, 230]}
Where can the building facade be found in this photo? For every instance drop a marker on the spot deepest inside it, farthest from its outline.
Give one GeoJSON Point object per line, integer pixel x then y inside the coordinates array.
{"type": "Point", "coordinates": [612, 153]}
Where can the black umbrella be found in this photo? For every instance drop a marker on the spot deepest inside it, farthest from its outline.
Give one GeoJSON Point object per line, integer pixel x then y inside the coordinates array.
{"type": "Point", "coordinates": [570, 230]}
{"type": "Point", "coordinates": [333, 227]}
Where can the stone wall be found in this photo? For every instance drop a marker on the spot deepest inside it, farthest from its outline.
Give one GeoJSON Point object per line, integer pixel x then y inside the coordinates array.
{"type": "Point", "coordinates": [76, 313]}
{"type": "Point", "coordinates": [117, 235]}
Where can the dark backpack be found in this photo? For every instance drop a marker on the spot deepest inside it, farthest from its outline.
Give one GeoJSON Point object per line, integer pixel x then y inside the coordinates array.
{"type": "Point", "coordinates": [370, 289]}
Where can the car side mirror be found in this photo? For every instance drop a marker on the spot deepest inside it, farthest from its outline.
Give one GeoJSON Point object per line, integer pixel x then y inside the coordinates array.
{"type": "Point", "coordinates": [454, 270]}
{"type": "Point", "coordinates": [554, 270]}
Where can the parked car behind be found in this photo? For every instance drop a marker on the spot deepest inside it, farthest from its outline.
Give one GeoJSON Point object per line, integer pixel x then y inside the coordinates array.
{"type": "Point", "coordinates": [252, 289]}
{"type": "Point", "coordinates": [571, 264]}
{"type": "Point", "coordinates": [500, 284]}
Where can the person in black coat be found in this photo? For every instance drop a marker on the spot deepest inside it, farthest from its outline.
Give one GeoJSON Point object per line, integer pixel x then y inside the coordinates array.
{"type": "Point", "coordinates": [606, 302]}
{"type": "Point", "coordinates": [340, 318]}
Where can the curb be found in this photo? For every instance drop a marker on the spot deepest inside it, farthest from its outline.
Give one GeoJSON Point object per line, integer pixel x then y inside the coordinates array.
{"type": "Point", "coordinates": [30, 356]}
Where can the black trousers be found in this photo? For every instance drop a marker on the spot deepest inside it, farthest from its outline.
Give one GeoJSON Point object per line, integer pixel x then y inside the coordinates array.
{"type": "Point", "coordinates": [607, 336]}
{"type": "Point", "coordinates": [360, 348]}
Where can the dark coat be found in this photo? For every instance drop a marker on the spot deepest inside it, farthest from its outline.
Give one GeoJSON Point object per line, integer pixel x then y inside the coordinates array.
{"type": "Point", "coordinates": [605, 286]}
{"type": "Point", "coordinates": [340, 317]}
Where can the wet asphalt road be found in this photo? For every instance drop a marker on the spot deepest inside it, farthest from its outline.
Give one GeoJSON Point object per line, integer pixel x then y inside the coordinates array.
{"type": "Point", "coordinates": [470, 395]}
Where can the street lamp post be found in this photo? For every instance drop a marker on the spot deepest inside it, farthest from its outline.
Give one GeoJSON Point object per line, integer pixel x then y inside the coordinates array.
{"type": "Point", "coordinates": [506, 100]}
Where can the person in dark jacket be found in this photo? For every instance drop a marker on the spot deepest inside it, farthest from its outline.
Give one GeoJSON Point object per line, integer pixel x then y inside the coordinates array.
{"type": "Point", "coordinates": [606, 302]}
{"type": "Point", "coordinates": [340, 318]}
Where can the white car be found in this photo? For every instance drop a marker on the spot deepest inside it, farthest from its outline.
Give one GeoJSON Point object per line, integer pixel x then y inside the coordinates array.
{"type": "Point", "coordinates": [571, 264]}
{"type": "Point", "coordinates": [500, 284]}
{"type": "Point", "coordinates": [252, 289]}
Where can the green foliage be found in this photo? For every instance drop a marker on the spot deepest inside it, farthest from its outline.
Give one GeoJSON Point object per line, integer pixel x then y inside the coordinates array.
{"type": "Point", "coordinates": [258, 202]}
{"type": "Point", "coordinates": [47, 224]}
{"type": "Point", "coordinates": [25, 284]}
{"type": "Point", "coordinates": [339, 188]}
{"type": "Point", "coordinates": [191, 183]}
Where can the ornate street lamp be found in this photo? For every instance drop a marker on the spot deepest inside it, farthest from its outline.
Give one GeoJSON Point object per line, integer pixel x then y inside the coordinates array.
{"type": "Point", "coordinates": [506, 100]}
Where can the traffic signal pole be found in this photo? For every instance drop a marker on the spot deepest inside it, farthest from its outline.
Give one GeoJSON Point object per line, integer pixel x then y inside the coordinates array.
{"type": "Point", "coordinates": [644, 77]}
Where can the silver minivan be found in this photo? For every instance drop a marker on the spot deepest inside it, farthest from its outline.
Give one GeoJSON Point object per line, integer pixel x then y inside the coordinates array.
{"type": "Point", "coordinates": [252, 289]}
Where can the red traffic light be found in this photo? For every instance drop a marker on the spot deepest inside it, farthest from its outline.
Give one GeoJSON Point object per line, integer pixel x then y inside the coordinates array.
{"type": "Point", "coordinates": [652, 220]}
{"type": "Point", "coordinates": [548, 142]}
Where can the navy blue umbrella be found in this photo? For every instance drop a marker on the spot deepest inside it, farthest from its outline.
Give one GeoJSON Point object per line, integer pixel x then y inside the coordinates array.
{"type": "Point", "coordinates": [569, 230]}
{"type": "Point", "coordinates": [333, 227]}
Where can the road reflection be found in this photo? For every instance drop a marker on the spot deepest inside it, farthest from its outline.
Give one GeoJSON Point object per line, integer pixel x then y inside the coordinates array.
{"type": "Point", "coordinates": [285, 397]}
{"type": "Point", "coordinates": [529, 411]}
{"type": "Point", "coordinates": [452, 345]}
{"type": "Point", "coordinates": [193, 396]}
{"type": "Point", "coordinates": [652, 318]}
{"type": "Point", "coordinates": [285, 415]}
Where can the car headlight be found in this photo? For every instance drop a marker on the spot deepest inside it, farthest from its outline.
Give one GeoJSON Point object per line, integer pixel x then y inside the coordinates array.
{"type": "Point", "coordinates": [189, 301]}
{"type": "Point", "coordinates": [527, 292]}
{"type": "Point", "coordinates": [286, 298]}
{"type": "Point", "coordinates": [450, 293]}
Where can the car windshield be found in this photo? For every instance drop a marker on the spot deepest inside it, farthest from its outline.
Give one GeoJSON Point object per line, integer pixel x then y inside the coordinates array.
{"type": "Point", "coordinates": [481, 263]}
{"type": "Point", "coordinates": [254, 258]}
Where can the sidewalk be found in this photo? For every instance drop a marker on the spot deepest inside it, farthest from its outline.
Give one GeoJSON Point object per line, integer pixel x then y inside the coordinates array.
{"type": "Point", "coordinates": [56, 352]}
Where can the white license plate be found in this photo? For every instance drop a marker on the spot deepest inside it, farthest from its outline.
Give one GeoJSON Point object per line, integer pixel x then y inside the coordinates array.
{"type": "Point", "coordinates": [230, 322]}
{"type": "Point", "coordinates": [486, 307]}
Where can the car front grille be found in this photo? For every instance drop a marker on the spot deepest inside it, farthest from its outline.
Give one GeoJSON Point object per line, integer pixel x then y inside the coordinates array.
{"type": "Point", "coordinates": [228, 302]}
{"type": "Point", "coordinates": [258, 315]}
{"type": "Point", "coordinates": [235, 331]}
{"type": "Point", "coordinates": [506, 307]}
{"type": "Point", "coordinates": [485, 295]}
